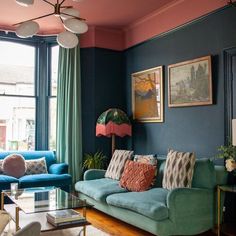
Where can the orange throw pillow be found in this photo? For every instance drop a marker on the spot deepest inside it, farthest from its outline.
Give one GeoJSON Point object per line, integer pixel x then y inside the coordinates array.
{"type": "Point", "coordinates": [137, 176]}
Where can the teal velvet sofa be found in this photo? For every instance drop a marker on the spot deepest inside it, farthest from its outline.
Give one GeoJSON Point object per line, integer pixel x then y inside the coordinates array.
{"type": "Point", "coordinates": [57, 172]}
{"type": "Point", "coordinates": [182, 211]}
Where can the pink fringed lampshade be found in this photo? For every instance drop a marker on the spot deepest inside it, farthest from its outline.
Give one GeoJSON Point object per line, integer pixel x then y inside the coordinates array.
{"type": "Point", "coordinates": [113, 122]}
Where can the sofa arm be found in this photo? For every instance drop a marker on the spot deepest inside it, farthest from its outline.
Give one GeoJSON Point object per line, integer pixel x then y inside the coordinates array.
{"type": "Point", "coordinates": [221, 175]}
{"type": "Point", "coordinates": [58, 169]}
{"type": "Point", "coordinates": [94, 174]}
{"type": "Point", "coordinates": [190, 203]}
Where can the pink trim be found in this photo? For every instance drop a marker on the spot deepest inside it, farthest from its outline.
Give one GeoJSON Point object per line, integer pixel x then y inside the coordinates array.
{"type": "Point", "coordinates": [112, 128]}
{"type": "Point", "coordinates": [103, 38]}
{"type": "Point", "coordinates": [170, 16]}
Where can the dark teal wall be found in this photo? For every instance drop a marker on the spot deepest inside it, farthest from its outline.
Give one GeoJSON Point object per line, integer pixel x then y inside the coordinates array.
{"type": "Point", "coordinates": [200, 128]}
{"type": "Point", "coordinates": [103, 87]}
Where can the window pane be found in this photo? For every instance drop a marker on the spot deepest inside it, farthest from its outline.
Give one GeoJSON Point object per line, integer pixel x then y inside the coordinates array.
{"type": "Point", "coordinates": [54, 67]}
{"type": "Point", "coordinates": [17, 65]}
{"type": "Point", "coordinates": [52, 123]}
{"type": "Point", "coordinates": [17, 123]}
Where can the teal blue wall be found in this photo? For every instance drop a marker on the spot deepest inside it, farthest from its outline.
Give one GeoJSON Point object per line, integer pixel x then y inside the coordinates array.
{"type": "Point", "coordinates": [103, 87]}
{"type": "Point", "coordinates": [200, 128]}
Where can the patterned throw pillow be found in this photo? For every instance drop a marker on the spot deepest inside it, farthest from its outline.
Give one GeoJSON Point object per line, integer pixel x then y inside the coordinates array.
{"type": "Point", "coordinates": [36, 166]}
{"type": "Point", "coordinates": [148, 159]}
{"type": "Point", "coordinates": [178, 172]}
{"type": "Point", "coordinates": [117, 163]}
{"type": "Point", "coordinates": [1, 170]}
{"type": "Point", "coordinates": [137, 176]}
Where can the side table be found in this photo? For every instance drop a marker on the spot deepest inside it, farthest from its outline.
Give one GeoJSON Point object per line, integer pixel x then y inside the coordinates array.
{"type": "Point", "coordinates": [223, 188]}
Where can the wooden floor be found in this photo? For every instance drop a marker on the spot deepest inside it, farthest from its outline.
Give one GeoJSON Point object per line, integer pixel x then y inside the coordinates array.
{"type": "Point", "coordinates": [116, 227]}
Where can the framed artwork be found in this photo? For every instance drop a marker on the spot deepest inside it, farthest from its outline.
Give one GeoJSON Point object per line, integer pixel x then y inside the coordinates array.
{"type": "Point", "coordinates": [190, 83]}
{"type": "Point", "coordinates": [147, 95]}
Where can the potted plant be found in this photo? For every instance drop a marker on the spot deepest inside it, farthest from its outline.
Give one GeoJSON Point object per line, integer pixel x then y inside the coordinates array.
{"type": "Point", "coordinates": [94, 161]}
{"type": "Point", "coordinates": [228, 152]}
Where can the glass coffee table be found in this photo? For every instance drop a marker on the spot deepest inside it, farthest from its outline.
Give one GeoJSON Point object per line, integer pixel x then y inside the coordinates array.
{"type": "Point", "coordinates": [32, 204]}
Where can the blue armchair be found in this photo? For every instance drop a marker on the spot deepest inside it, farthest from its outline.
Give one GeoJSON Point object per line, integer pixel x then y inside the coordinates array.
{"type": "Point", "coordinates": [57, 172]}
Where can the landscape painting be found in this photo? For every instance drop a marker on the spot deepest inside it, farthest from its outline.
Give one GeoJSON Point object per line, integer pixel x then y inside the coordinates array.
{"type": "Point", "coordinates": [147, 95]}
{"type": "Point", "coordinates": [190, 83]}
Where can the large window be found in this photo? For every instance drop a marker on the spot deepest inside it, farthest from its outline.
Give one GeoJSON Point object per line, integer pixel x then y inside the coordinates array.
{"type": "Point", "coordinates": [26, 109]}
{"type": "Point", "coordinates": [17, 96]}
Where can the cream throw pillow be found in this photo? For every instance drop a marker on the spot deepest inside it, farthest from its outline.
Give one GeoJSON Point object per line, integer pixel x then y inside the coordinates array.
{"type": "Point", "coordinates": [178, 172]}
{"type": "Point", "coordinates": [117, 163]}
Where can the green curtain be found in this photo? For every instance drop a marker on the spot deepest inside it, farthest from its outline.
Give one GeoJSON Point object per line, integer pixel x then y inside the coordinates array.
{"type": "Point", "coordinates": [69, 133]}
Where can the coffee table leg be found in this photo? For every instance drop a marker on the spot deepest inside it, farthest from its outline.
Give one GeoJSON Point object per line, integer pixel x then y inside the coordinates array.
{"type": "Point", "coordinates": [17, 218]}
{"type": "Point", "coordinates": [2, 201]}
{"type": "Point", "coordinates": [84, 215]}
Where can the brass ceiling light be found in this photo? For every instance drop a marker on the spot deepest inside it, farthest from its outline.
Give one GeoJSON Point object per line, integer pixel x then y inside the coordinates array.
{"type": "Point", "coordinates": [69, 17]}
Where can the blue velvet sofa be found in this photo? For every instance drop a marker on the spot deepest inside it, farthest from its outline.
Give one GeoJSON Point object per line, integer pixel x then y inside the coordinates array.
{"type": "Point", "coordinates": [57, 172]}
{"type": "Point", "coordinates": [181, 211]}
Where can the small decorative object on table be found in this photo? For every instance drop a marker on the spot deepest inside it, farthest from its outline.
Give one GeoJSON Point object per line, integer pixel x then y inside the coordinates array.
{"type": "Point", "coordinates": [14, 188]}
{"type": "Point", "coordinates": [64, 217]}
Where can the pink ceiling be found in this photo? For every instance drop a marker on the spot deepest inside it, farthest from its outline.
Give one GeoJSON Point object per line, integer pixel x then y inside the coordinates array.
{"type": "Point", "coordinates": [102, 13]}
{"type": "Point", "coordinates": [114, 24]}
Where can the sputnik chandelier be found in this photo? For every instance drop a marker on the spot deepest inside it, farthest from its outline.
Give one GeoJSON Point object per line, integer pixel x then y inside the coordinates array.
{"type": "Point", "coordinates": [68, 16]}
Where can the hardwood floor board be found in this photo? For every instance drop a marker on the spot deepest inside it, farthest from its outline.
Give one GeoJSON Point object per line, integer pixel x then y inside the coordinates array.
{"type": "Point", "coordinates": [115, 227]}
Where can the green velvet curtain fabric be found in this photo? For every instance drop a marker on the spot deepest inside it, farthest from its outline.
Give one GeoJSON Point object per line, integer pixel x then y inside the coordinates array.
{"type": "Point", "coordinates": [69, 133]}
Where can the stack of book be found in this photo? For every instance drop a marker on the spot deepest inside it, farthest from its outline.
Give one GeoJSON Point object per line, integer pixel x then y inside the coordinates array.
{"type": "Point", "coordinates": [64, 217]}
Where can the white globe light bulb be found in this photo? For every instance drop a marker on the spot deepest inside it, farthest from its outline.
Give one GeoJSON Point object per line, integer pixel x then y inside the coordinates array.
{"type": "Point", "coordinates": [67, 39]}
{"type": "Point", "coordinates": [76, 26]}
{"type": "Point", "coordinates": [69, 13]}
{"type": "Point", "coordinates": [27, 29]}
{"type": "Point", "coordinates": [25, 3]}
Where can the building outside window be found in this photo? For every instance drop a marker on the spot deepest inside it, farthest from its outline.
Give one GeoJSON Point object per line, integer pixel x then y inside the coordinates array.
{"type": "Point", "coordinates": [19, 97]}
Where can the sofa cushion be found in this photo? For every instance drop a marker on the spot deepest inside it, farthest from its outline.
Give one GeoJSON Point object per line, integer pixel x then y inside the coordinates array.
{"type": "Point", "coordinates": [14, 165]}
{"type": "Point", "coordinates": [5, 181]}
{"type": "Point", "coordinates": [99, 189]}
{"type": "Point", "coordinates": [41, 180]}
{"type": "Point", "coordinates": [137, 176]}
{"type": "Point", "coordinates": [148, 159]}
{"type": "Point", "coordinates": [151, 203]}
{"type": "Point", "coordinates": [178, 172]}
{"type": "Point", "coordinates": [36, 166]}
{"type": "Point", "coordinates": [117, 163]}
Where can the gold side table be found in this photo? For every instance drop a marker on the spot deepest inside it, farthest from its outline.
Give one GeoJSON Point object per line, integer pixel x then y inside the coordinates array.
{"type": "Point", "coordinates": [223, 188]}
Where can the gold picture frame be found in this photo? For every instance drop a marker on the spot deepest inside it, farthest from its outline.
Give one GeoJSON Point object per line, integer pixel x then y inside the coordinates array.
{"type": "Point", "coordinates": [190, 83]}
{"type": "Point", "coordinates": [147, 95]}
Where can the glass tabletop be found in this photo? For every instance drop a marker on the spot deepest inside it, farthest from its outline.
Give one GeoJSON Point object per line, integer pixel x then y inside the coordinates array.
{"type": "Point", "coordinates": [43, 199]}
{"type": "Point", "coordinates": [228, 188]}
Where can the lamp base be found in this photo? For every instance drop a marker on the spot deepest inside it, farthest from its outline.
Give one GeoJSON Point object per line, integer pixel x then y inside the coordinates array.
{"type": "Point", "coordinates": [112, 144]}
